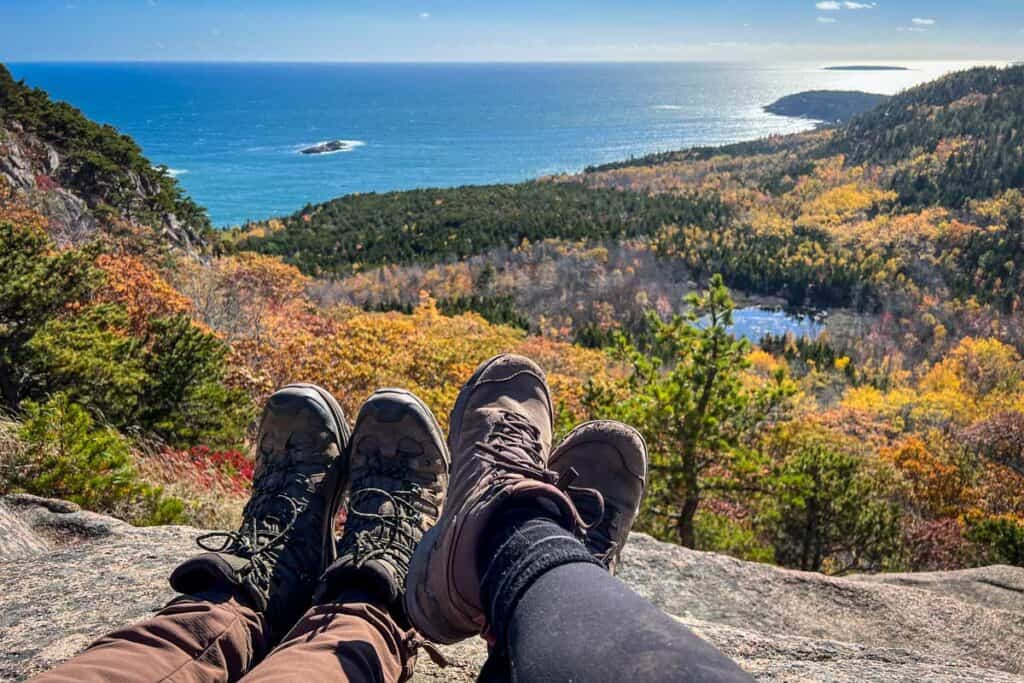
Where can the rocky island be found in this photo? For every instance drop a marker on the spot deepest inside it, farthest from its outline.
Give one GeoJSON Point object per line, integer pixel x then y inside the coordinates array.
{"type": "Point", "coordinates": [830, 106]}
{"type": "Point", "coordinates": [329, 147]}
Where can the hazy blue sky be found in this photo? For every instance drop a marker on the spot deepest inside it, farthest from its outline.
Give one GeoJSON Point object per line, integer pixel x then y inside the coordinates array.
{"type": "Point", "coordinates": [385, 30]}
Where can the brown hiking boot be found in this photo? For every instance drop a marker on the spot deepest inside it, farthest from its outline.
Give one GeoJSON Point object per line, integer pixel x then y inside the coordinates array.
{"type": "Point", "coordinates": [500, 437]}
{"type": "Point", "coordinates": [286, 539]}
{"type": "Point", "coordinates": [398, 464]}
{"type": "Point", "coordinates": [610, 458]}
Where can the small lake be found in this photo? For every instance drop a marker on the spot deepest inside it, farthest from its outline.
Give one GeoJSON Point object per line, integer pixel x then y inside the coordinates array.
{"type": "Point", "coordinates": [753, 323]}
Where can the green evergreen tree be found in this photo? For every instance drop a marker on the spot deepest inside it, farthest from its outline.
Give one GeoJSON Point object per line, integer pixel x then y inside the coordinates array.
{"type": "Point", "coordinates": [37, 283]}
{"type": "Point", "coordinates": [825, 509]}
{"type": "Point", "coordinates": [687, 396]}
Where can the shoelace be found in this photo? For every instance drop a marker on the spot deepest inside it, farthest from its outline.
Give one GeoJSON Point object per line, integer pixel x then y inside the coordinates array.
{"type": "Point", "coordinates": [414, 642]}
{"type": "Point", "coordinates": [603, 532]}
{"type": "Point", "coordinates": [258, 546]}
{"type": "Point", "coordinates": [381, 534]}
{"type": "Point", "coordinates": [514, 446]}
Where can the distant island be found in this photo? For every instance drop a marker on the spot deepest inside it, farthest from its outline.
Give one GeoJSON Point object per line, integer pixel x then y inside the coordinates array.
{"type": "Point", "coordinates": [830, 106]}
{"type": "Point", "coordinates": [866, 67]}
{"type": "Point", "coordinates": [330, 146]}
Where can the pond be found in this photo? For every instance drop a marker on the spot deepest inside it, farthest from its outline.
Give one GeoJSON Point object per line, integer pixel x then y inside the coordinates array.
{"type": "Point", "coordinates": [755, 322]}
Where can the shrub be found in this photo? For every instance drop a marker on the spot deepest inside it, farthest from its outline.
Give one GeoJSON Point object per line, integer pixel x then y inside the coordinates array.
{"type": "Point", "coordinates": [12, 453]}
{"type": "Point", "coordinates": [720, 534]}
{"type": "Point", "coordinates": [827, 510]}
{"type": "Point", "coordinates": [37, 284]}
{"type": "Point", "coordinates": [184, 399]}
{"type": "Point", "coordinates": [74, 458]}
{"type": "Point", "coordinates": [90, 358]}
{"type": "Point", "coordinates": [216, 483]}
{"type": "Point", "coordinates": [1000, 539]}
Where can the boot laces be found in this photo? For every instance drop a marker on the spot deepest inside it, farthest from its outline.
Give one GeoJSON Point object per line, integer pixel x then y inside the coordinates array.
{"type": "Point", "coordinates": [263, 533]}
{"type": "Point", "coordinates": [389, 523]}
{"type": "Point", "coordinates": [514, 446]}
{"type": "Point", "coordinates": [260, 544]}
{"type": "Point", "coordinates": [415, 642]}
{"type": "Point", "coordinates": [603, 531]}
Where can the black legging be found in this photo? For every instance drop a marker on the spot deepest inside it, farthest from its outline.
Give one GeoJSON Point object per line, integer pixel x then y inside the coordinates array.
{"type": "Point", "coordinates": [573, 621]}
{"type": "Point", "coordinates": [578, 623]}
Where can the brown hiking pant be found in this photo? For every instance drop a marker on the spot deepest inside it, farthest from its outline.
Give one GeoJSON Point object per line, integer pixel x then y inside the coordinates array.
{"type": "Point", "coordinates": [211, 638]}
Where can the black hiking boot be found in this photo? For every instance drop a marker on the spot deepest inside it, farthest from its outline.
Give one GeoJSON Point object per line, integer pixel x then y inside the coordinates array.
{"type": "Point", "coordinates": [399, 473]}
{"type": "Point", "coordinates": [286, 539]}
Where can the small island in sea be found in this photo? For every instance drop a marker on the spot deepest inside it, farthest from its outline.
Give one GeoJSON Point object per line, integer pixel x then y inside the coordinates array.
{"type": "Point", "coordinates": [866, 67]}
{"type": "Point", "coordinates": [830, 106]}
{"type": "Point", "coordinates": [329, 147]}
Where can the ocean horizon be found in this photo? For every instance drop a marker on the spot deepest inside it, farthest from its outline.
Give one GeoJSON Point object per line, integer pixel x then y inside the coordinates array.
{"type": "Point", "coordinates": [233, 132]}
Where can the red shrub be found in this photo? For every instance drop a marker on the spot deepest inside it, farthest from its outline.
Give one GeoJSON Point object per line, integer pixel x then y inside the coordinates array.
{"type": "Point", "coordinates": [228, 471]}
{"type": "Point", "coordinates": [45, 183]}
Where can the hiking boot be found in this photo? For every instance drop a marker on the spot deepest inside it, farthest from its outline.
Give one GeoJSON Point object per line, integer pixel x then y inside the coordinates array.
{"type": "Point", "coordinates": [611, 458]}
{"type": "Point", "coordinates": [286, 538]}
{"type": "Point", "coordinates": [398, 468]}
{"type": "Point", "coordinates": [500, 437]}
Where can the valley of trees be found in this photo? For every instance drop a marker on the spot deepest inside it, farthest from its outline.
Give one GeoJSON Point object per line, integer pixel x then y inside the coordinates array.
{"type": "Point", "coordinates": [427, 226]}
{"type": "Point", "coordinates": [131, 373]}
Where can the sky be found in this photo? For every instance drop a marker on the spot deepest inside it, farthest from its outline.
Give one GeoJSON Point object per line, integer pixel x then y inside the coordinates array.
{"type": "Point", "coordinates": [525, 30]}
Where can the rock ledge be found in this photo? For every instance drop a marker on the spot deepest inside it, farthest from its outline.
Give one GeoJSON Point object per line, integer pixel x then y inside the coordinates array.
{"type": "Point", "coordinates": [70, 576]}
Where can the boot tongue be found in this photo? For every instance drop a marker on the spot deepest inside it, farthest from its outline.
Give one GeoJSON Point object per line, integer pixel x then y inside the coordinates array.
{"type": "Point", "coordinates": [515, 435]}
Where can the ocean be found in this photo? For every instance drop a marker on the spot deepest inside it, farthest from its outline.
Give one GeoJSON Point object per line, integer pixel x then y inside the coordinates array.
{"type": "Point", "coordinates": [232, 133]}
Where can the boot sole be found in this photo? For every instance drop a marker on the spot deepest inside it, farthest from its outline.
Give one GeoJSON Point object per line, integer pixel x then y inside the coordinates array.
{"type": "Point", "coordinates": [329, 548]}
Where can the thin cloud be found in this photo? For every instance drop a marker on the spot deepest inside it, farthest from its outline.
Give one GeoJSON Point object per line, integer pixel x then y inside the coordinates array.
{"type": "Point", "coordinates": [827, 20]}
{"type": "Point", "coordinates": [860, 5]}
{"type": "Point", "coordinates": [424, 16]}
{"type": "Point", "coordinates": [922, 22]}
{"type": "Point", "coordinates": [829, 6]}
{"type": "Point", "coordinates": [912, 29]}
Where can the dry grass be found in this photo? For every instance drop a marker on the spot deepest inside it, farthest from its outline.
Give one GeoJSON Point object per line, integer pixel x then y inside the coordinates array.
{"type": "Point", "coordinates": [13, 453]}
{"type": "Point", "coordinates": [213, 500]}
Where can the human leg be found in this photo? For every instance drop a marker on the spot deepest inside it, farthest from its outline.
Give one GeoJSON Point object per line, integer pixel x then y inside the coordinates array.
{"type": "Point", "coordinates": [508, 534]}
{"type": "Point", "coordinates": [357, 629]}
{"type": "Point", "coordinates": [251, 587]}
{"type": "Point", "coordinates": [206, 637]}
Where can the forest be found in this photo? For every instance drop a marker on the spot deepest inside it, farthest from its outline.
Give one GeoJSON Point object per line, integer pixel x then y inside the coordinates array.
{"type": "Point", "coordinates": [427, 226]}
{"type": "Point", "coordinates": [132, 374]}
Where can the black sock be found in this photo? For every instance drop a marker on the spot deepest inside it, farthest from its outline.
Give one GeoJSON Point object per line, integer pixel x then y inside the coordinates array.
{"type": "Point", "coordinates": [522, 543]}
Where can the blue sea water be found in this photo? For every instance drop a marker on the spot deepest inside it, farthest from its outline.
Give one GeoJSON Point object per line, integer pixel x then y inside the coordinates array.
{"type": "Point", "coordinates": [232, 132]}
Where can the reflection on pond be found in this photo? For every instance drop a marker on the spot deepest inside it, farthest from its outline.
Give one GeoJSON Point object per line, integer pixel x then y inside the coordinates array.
{"type": "Point", "coordinates": [755, 322]}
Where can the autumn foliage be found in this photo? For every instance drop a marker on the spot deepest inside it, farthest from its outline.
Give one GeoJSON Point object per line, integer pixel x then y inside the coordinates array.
{"type": "Point", "coordinates": [894, 441]}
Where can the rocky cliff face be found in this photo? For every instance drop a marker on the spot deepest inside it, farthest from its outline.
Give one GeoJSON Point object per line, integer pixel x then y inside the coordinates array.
{"type": "Point", "coordinates": [29, 166]}
{"type": "Point", "coordinates": [36, 169]}
{"type": "Point", "coordinates": [69, 576]}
